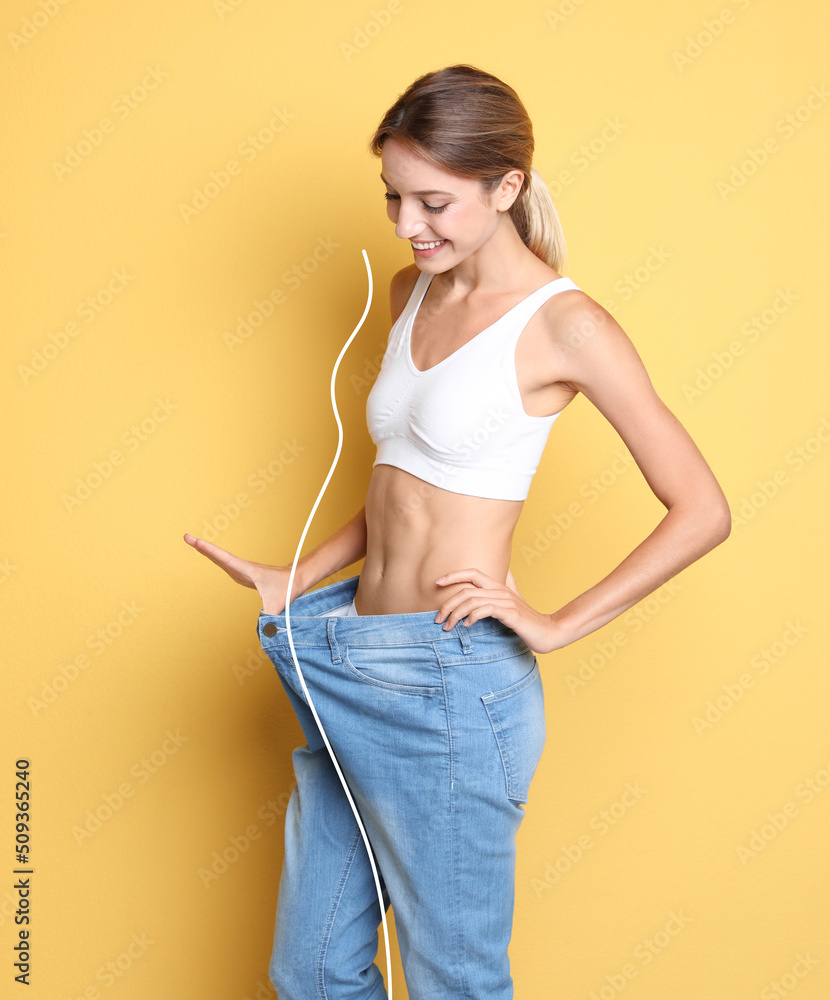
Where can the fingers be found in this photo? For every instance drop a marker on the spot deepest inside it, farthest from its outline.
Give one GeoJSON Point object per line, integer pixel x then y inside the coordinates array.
{"type": "Point", "coordinates": [463, 601]}
{"type": "Point", "coordinates": [475, 593]}
{"type": "Point", "coordinates": [473, 575]}
{"type": "Point", "coordinates": [240, 570]}
{"type": "Point", "coordinates": [200, 543]}
{"type": "Point", "coordinates": [220, 560]}
{"type": "Point", "coordinates": [214, 552]}
{"type": "Point", "coordinates": [475, 608]}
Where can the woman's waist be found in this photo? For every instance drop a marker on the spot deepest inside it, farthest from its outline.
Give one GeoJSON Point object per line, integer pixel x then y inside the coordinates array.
{"type": "Point", "coordinates": [402, 579]}
{"type": "Point", "coordinates": [316, 620]}
{"type": "Point", "coordinates": [417, 532]}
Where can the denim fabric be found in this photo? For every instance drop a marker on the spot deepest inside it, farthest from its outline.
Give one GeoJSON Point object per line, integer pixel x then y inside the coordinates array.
{"type": "Point", "coordinates": [438, 734]}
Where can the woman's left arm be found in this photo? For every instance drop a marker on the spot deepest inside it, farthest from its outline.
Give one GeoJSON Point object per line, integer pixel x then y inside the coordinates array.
{"type": "Point", "coordinates": [591, 353]}
{"type": "Point", "coordinates": [600, 361]}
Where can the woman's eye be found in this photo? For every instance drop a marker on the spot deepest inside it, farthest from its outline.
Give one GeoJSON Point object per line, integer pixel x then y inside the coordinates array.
{"type": "Point", "coordinates": [429, 208]}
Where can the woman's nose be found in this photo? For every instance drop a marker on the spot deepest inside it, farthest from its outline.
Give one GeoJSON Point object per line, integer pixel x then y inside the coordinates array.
{"type": "Point", "coordinates": [408, 224]}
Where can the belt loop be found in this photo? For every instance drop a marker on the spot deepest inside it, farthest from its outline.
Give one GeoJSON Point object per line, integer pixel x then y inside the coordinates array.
{"type": "Point", "coordinates": [463, 634]}
{"type": "Point", "coordinates": [335, 649]}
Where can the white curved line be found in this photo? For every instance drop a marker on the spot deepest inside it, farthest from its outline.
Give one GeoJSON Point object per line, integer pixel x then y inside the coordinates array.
{"type": "Point", "coordinates": [291, 640]}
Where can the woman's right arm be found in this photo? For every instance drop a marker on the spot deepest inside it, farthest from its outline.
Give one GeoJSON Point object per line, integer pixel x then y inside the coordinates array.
{"type": "Point", "coordinates": [345, 546]}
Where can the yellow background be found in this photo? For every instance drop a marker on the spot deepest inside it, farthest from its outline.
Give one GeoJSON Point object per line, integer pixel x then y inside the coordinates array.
{"type": "Point", "coordinates": [669, 898]}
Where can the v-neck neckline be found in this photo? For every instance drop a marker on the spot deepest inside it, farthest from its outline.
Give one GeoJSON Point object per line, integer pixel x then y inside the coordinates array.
{"type": "Point", "coordinates": [411, 323]}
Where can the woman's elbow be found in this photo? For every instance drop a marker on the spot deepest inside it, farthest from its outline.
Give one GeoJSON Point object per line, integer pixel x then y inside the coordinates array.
{"type": "Point", "coordinates": [708, 521]}
{"type": "Point", "coordinates": [718, 522]}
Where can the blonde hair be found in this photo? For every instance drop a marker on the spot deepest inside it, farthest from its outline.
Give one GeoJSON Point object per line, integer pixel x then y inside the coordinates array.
{"type": "Point", "coordinates": [472, 124]}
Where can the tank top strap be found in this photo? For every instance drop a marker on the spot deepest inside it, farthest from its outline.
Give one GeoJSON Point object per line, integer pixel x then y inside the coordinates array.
{"type": "Point", "coordinates": [520, 315]}
{"type": "Point", "coordinates": [399, 329]}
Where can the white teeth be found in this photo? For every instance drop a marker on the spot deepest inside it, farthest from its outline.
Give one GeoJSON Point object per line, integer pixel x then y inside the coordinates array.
{"type": "Point", "coordinates": [427, 246]}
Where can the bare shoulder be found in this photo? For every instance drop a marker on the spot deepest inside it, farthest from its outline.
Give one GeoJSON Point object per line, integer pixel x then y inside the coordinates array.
{"type": "Point", "coordinates": [400, 288]}
{"type": "Point", "coordinates": [585, 338]}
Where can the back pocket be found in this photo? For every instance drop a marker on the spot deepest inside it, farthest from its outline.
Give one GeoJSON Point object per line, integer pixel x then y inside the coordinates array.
{"type": "Point", "coordinates": [517, 716]}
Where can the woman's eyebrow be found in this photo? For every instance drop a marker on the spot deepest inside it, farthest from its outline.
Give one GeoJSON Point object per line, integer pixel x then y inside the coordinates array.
{"type": "Point", "coordinates": [449, 193]}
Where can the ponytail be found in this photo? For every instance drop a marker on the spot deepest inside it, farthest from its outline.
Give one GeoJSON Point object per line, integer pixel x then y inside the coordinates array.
{"type": "Point", "coordinates": [537, 222]}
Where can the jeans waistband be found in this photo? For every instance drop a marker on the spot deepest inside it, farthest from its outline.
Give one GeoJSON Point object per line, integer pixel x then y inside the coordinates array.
{"type": "Point", "coordinates": [309, 624]}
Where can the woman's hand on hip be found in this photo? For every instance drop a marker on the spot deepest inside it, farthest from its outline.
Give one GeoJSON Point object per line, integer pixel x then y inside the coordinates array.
{"type": "Point", "coordinates": [271, 582]}
{"type": "Point", "coordinates": [487, 598]}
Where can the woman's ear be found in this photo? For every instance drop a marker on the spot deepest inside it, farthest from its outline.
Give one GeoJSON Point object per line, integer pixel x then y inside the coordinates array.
{"type": "Point", "coordinates": [508, 189]}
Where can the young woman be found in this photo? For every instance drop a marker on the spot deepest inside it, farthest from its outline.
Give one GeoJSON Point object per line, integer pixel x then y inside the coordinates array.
{"type": "Point", "coordinates": [422, 668]}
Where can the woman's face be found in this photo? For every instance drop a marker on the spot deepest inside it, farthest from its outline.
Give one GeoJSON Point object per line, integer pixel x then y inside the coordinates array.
{"type": "Point", "coordinates": [430, 205]}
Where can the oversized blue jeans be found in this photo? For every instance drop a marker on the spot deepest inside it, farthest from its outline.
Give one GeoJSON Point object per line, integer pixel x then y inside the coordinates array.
{"type": "Point", "coordinates": [438, 734]}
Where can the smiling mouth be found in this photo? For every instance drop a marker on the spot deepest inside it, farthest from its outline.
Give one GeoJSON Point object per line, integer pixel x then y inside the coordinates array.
{"type": "Point", "coordinates": [427, 246]}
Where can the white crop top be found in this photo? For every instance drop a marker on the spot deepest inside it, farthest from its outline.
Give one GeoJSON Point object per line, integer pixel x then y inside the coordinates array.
{"type": "Point", "coordinates": [460, 425]}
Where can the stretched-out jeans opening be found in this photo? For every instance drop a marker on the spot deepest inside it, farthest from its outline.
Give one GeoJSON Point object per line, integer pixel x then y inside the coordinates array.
{"type": "Point", "coordinates": [438, 734]}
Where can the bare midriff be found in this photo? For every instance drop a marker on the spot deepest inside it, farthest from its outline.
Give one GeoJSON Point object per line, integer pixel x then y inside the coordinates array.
{"type": "Point", "coordinates": [416, 532]}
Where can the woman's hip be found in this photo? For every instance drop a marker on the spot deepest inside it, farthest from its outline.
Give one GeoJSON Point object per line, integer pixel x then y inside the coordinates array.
{"type": "Point", "coordinates": [403, 699]}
